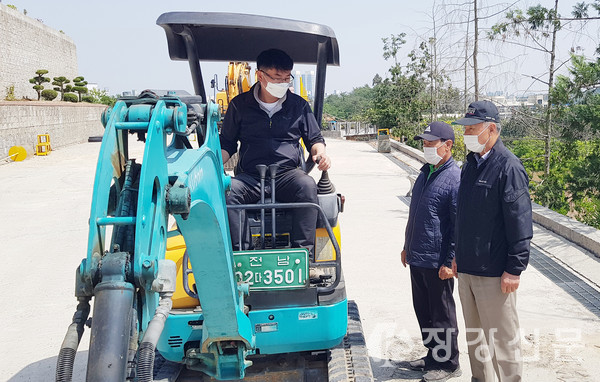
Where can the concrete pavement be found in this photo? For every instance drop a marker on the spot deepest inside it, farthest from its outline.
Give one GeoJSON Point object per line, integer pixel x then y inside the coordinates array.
{"type": "Point", "coordinates": [43, 234]}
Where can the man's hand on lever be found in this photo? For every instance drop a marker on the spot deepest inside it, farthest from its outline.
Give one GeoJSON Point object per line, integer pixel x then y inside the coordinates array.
{"type": "Point", "coordinates": [320, 158]}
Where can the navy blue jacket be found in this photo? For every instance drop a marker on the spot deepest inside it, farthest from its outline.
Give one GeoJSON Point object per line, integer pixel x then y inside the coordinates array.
{"type": "Point", "coordinates": [493, 223]}
{"type": "Point", "coordinates": [429, 237]}
{"type": "Point", "coordinates": [267, 140]}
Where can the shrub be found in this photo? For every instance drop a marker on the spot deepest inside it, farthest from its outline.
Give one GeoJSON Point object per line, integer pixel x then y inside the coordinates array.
{"type": "Point", "coordinates": [10, 93]}
{"type": "Point", "coordinates": [49, 94]}
{"type": "Point", "coordinates": [88, 99]}
{"type": "Point", "coordinates": [101, 96]}
{"type": "Point", "coordinates": [70, 97]}
{"type": "Point", "coordinates": [108, 100]}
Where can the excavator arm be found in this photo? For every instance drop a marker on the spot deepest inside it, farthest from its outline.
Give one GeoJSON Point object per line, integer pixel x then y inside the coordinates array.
{"type": "Point", "coordinates": [189, 184]}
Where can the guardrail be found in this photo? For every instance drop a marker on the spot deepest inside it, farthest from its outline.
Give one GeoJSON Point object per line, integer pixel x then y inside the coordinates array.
{"type": "Point", "coordinates": [348, 128]}
{"type": "Point", "coordinates": [581, 234]}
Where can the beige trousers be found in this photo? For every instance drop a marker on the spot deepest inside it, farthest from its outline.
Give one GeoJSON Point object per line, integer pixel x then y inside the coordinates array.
{"type": "Point", "coordinates": [492, 329]}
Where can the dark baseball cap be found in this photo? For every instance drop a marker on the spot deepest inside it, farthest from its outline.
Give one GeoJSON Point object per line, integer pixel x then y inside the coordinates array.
{"type": "Point", "coordinates": [437, 130]}
{"type": "Point", "coordinates": [479, 111]}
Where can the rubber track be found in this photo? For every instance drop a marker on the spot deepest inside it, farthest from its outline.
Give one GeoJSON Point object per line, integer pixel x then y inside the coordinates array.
{"type": "Point", "coordinates": [349, 361]}
{"type": "Point", "coordinates": [165, 371]}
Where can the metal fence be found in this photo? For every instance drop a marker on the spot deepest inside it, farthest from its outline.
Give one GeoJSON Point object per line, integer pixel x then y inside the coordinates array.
{"type": "Point", "coordinates": [347, 128]}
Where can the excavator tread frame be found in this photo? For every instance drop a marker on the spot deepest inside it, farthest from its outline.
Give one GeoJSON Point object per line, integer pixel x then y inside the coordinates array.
{"type": "Point", "coordinates": [347, 362]}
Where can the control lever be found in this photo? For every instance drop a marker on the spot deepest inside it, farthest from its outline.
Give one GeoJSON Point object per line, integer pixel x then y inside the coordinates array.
{"type": "Point", "coordinates": [324, 186]}
{"type": "Point", "coordinates": [262, 172]}
{"type": "Point", "coordinates": [273, 172]}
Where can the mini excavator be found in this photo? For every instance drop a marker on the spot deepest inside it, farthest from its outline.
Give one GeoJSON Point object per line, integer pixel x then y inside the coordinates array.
{"type": "Point", "coordinates": [171, 299]}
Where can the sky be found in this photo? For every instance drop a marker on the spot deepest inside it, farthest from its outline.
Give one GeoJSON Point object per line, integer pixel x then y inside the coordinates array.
{"type": "Point", "coordinates": [120, 47]}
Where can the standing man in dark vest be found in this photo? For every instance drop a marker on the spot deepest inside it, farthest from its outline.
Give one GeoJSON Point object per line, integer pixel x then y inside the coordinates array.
{"type": "Point", "coordinates": [429, 250]}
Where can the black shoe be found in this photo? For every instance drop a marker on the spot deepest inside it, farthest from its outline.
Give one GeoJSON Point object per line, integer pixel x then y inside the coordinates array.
{"type": "Point", "coordinates": [418, 364]}
{"type": "Point", "coordinates": [441, 375]}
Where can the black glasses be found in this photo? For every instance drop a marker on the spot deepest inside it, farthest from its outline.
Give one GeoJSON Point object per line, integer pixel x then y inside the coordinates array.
{"type": "Point", "coordinates": [287, 80]}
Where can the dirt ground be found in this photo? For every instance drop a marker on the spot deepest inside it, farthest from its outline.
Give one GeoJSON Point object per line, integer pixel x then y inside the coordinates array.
{"type": "Point", "coordinates": [43, 230]}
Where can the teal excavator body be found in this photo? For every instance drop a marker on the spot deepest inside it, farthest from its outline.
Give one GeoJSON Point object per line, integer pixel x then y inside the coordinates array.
{"type": "Point", "coordinates": [246, 303]}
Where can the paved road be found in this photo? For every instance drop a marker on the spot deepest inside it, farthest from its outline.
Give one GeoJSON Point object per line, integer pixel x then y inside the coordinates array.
{"type": "Point", "coordinates": [43, 228]}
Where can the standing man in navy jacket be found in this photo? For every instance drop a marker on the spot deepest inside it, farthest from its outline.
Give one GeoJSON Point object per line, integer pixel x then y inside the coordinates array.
{"type": "Point", "coordinates": [268, 121]}
{"type": "Point", "coordinates": [493, 231]}
{"type": "Point", "coordinates": [429, 250]}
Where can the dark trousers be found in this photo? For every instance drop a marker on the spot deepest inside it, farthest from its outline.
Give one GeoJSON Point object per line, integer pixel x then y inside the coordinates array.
{"type": "Point", "coordinates": [290, 186]}
{"type": "Point", "coordinates": [436, 313]}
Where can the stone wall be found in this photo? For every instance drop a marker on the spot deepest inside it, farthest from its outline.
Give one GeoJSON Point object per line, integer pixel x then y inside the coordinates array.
{"type": "Point", "coordinates": [27, 45]}
{"type": "Point", "coordinates": [67, 123]}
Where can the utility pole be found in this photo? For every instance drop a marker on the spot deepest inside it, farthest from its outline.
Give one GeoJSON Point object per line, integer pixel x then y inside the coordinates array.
{"type": "Point", "coordinates": [467, 60]}
{"type": "Point", "coordinates": [475, 43]}
{"type": "Point", "coordinates": [548, 142]}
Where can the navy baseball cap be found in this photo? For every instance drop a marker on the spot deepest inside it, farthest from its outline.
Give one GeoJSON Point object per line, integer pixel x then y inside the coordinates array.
{"type": "Point", "coordinates": [437, 130]}
{"type": "Point", "coordinates": [479, 111]}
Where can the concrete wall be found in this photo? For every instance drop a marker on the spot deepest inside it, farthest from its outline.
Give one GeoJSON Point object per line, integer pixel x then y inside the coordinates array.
{"type": "Point", "coordinates": [27, 45]}
{"type": "Point", "coordinates": [410, 151]}
{"type": "Point", "coordinates": [67, 123]}
{"type": "Point", "coordinates": [583, 235]}
{"type": "Point", "coordinates": [331, 134]}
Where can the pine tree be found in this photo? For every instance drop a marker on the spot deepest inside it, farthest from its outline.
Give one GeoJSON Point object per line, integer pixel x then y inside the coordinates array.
{"type": "Point", "coordinates": [38, 81]}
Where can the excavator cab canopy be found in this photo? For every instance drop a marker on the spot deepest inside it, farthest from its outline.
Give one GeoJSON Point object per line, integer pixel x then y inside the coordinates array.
{"type": "Point", "coordinates": [213, 36]}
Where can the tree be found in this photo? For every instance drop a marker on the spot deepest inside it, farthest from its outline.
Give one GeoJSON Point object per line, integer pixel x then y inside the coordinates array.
{"type": "Point", "coordinates": [476, 49]}
{"type": "Point", "coordinates": [101, 96]}
{"type": "Point", "coordinates": [577, 99]}
{"type": "Point", "coordinates": [458, 57]}
{"type": "Point", "coordinates": [578, 108]}
{"type": "Point", "coordinates": [580, 12]}
{"type": "Point", "coordinates": [399, 102]}
{"type": "Point", "coordinates": [573, 185]}
{"type": "Point", "coordinates": [60, 83]}
{"type": "Point", "coordinates": [391, 46]}
{"type": "Point", "coordinates": [349, 106]}
{"type": "Point", "coordinates": [538, 25]}
{"type": "Point", "coordinates": [80, 86]}
{"type": "Point", "coordinates": [38, 81]}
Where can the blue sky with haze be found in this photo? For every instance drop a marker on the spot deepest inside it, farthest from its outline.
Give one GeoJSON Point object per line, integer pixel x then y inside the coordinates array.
{"type": "Point", "coordinates": [120, 47]}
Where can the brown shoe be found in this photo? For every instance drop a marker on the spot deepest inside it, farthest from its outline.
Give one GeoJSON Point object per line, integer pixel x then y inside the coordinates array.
{"type": "Point", "coordinates": [441, 375]}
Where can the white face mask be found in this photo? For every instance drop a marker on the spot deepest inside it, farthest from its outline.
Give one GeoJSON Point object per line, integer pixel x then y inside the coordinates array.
{"type": "Point", "coordinates": [277, 90]}
{"type": "Point", "coordinates": [431, 155]}
{"type": "Point", "coordinates": [472, 142]}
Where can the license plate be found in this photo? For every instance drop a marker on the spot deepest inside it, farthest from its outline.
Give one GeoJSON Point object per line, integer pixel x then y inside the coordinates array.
{"type": "Point", "coordinates": [272, 269]}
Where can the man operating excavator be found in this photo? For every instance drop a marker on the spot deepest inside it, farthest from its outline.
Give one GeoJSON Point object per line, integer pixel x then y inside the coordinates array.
{"type": "Point", "coordinates": [269, 121]}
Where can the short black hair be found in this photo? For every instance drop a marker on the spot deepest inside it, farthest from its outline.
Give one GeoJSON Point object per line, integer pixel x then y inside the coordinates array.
{"type": "Point", "coordinates": [274, 59]}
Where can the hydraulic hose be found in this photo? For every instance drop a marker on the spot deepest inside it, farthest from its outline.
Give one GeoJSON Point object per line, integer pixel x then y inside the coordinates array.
{"type": "Point", "coordinates": [68, 349]}
{"type": "Point", "coordinates": [145, 363]}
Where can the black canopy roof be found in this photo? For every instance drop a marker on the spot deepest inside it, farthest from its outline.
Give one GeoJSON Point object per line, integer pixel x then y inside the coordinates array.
{"type": "Point", "coordinates": [213, 36]}
{"type": "Point", "coordinates": [241, 37]}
